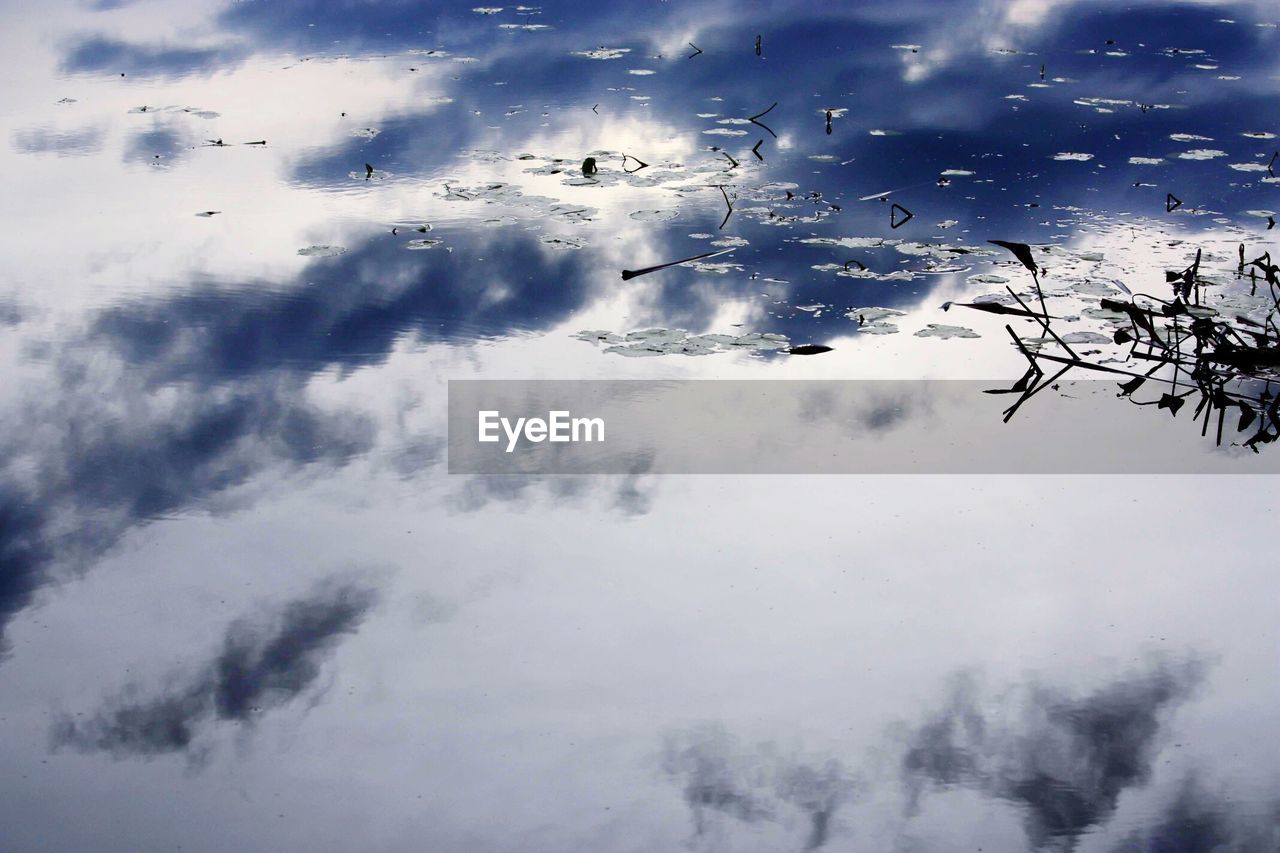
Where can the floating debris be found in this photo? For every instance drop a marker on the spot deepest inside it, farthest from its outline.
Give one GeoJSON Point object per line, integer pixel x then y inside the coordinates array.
{"type": "Point", "coordinates": [936, 330]}
{"type": "Point", "coordinates": [627, 275]}
{"type": "Point", "coordinates": [656, 342]}
{"type": "Point", "coordinates": [875, 321]}
{"type": "Point", "coordinates": [604, 53]}
{"type": "Point", "coordinates": [563, 242]}
{"type": "Point", "coordinates": [654, 215]}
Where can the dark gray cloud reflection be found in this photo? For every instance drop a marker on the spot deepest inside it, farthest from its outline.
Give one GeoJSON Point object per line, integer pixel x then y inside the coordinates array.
{"type": "Point", "coordinates": [63, 143]}
{"type": "Point", "coordinates": [349, 311]}
{"type": "Point", "coordinates": [262, 664]}
{"type": "Point", "coordinates": [1064, 759]}
{"type": "Point", "coordinates": [720, 778]}
{"type": "Point", "coordinates": [97, 54]}
{"type": "Point", "coordinates": [106, 474]}
{"type": "Point", "coordinates": [1197, 819]}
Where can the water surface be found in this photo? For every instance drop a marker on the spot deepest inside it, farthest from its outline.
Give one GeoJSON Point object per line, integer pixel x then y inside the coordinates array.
{"type": "Point", "coordinates": [243, 605]}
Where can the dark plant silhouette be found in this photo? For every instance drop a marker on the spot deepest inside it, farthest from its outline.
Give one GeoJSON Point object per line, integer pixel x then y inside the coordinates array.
{"type": "Point", "coordinates": [1225, 363]}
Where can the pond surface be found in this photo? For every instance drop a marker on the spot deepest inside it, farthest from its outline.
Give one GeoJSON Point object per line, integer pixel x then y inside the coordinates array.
{"type": "Point", "coordinates": [243, 605]}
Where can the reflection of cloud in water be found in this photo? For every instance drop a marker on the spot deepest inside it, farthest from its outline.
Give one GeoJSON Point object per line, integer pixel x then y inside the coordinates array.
{"type": "Point", "coordinates": [99, 54]}
{"type": "Point", "coordinates": [351, 309]}
{"type": "Point", "coordinates": [261, 665]}
{"type": "Point", "coordinates": [1065, 759]}
{"type": "Point", "coordinates": [64, 143]}
{"type": "Point", "coordinates": [724, 782]}
{"type": "Point", "coordinates": [630, 494]}
{"type": "Point", "coordinates": [74, 488]}
{"type": "Point", "coordinates": [162, 146]}
{"type": "Point", "coordinates": [1196, 819]}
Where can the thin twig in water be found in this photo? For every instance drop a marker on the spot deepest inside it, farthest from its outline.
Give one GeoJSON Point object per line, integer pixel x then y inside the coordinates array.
{"type": "Point", "coordinates": [728, 203]}
{"type": "Point", "coordinates": [762, 124]}
{"type": "Point", "coordinates": [627, 275]}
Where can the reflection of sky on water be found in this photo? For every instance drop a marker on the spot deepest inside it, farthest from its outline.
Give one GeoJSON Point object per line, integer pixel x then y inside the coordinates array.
{"type": "Point", "coordinates": [225, 530]}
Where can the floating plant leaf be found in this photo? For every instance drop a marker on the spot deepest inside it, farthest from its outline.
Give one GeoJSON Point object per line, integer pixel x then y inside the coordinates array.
{"type": "Point", "coordinates": [1085, 337]}
{"type": "Point", "coordinates": [938, 330]}
{"type": "Point", "coordinates": [604, 53]}
{"type": "Point", "coordinates": [322, 251]}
